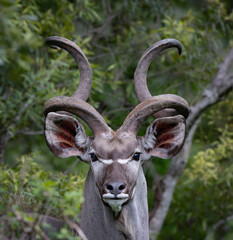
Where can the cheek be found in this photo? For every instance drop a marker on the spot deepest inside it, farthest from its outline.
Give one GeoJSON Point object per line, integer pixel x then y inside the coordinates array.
{"type": "Point", "coordinates": [98, 170]}
{"type": "Point", "coordinates": [132, 174]}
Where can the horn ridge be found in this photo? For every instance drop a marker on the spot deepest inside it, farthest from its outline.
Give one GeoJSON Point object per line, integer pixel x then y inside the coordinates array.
{"type": "Point", "coordinates": [85, 83]}
{"type": "Point", "coordinates": [81, 109]}
{"type": "Point", "coordinates": [140, 76]}
{"type": "Point", "coordinates": [150, 107]}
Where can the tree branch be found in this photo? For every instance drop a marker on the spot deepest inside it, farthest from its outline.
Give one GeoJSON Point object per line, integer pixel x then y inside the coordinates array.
{"type": "Point", "coordinates": [164, 190]}
{"type": "Point", "coordinates": [220, 86]}
{"type": "Point", "coordinates": [217, 225]}
{"type": "Point", "coordinates": [75, 227]}
{"type": "Point", "coordinates": [32, 226]}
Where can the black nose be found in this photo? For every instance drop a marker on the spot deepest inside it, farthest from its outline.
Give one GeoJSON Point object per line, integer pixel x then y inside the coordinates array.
{"type": "Point", "coordinates": [115, 187]}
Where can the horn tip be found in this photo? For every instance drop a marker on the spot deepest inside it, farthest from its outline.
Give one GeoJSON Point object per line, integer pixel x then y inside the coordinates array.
{"type": "Point", "coordinates": [179, 51]}
{"type": "Point", "coordinates": [52, 40]}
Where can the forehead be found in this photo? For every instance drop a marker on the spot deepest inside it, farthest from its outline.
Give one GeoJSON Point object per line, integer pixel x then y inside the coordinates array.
{"type": "Point", "coordinates": [115, 147]}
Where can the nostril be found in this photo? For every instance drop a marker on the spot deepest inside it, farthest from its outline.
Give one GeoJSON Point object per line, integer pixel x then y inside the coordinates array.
{"type": "Point", "coordinates": [122, 187]}
{"type": "Point", "coordinates": [109, 187]}
{"type": "Point", "coordinates": [115, 188]}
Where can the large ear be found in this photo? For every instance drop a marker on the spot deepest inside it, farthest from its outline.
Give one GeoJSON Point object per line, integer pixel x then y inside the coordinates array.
{"type": "Point", "coordinates": [165, 137]}
{"type": "Point", "coordinates": [65, 135]}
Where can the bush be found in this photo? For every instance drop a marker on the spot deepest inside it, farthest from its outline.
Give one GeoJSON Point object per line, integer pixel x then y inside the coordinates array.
{"type": "Point", "coordinates": [27, 189]}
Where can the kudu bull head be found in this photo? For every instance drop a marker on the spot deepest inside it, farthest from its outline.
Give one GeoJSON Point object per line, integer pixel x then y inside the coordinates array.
{"type": "Point", "coordinates": [115, 157]}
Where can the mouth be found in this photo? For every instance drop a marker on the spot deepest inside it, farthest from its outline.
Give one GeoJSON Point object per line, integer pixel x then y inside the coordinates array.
{"type": "Point", "coordinates": [115, 202]}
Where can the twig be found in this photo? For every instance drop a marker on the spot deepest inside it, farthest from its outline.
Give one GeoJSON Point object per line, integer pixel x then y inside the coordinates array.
{"type": "Point", "coordinates": [31, 225]}
{"type": "Point", "coordinates": [75, 227]}
{"type": "Point", "coordinates": [72, 166]}
{"type": "Point", "coordinates": [217, 225]}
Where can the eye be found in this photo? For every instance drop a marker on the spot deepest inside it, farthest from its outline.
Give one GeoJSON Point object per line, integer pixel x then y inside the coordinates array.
{"type": "Point", "coordinates": [94, 158]}
{"type": "Point", "coordinates": [136, 156]}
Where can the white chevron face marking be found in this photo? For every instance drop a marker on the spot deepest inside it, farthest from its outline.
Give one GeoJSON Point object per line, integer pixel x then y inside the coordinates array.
{"type": "Point", "coordinates": [106, 161]}
{"type": "Point", "coordinates": [123, 161]}
{"type": "Point", "coordinates": [110, 161]}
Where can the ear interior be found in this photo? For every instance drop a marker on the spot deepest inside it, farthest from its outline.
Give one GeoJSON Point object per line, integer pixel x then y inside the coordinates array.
{"type": "Point", "coordinates": [64, 135]}
{"type": "Point", "coordinates": [165, 136]}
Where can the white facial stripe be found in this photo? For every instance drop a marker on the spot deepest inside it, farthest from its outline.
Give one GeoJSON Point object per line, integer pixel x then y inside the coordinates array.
{"type": "Point", "coordinates": [123, 161]}
{"type": "Point", "coordinates": [110, 161]}
{"type": "Point", "coordinates": [106, 161]}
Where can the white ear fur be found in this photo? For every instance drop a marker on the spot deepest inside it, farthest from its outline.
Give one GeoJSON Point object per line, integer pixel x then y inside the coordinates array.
{"type": "Point", "coordinates": [165, 136]}
{"type": "Point", "coordinates": [65, 135]}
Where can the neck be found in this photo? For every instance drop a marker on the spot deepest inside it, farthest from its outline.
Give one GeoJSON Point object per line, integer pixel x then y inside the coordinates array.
{"type": "Point", "coordinates": [99, 222]}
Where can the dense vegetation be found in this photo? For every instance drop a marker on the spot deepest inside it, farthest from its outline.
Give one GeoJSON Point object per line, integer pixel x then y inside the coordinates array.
{"type": "Point", "coordinates": [113, 35]}
{"type": "Point", "coordinates": [28, 188]}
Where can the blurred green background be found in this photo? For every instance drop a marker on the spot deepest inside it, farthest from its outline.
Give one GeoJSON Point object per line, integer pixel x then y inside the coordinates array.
{"type": "Point", "coordinates": [113, 35]}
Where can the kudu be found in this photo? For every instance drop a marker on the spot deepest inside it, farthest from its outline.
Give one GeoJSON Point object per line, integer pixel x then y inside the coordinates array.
{"type": "Point", "coordinates": [115, 191]}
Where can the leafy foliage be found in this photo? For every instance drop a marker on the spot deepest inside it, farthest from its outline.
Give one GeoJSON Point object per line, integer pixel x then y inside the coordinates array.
{"type": "Point", "coordinates": [204, 194]}
{"type": "Point", "coordinates": [28, 189]}
{"type": "Point", "coordinates": [113, 35]}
